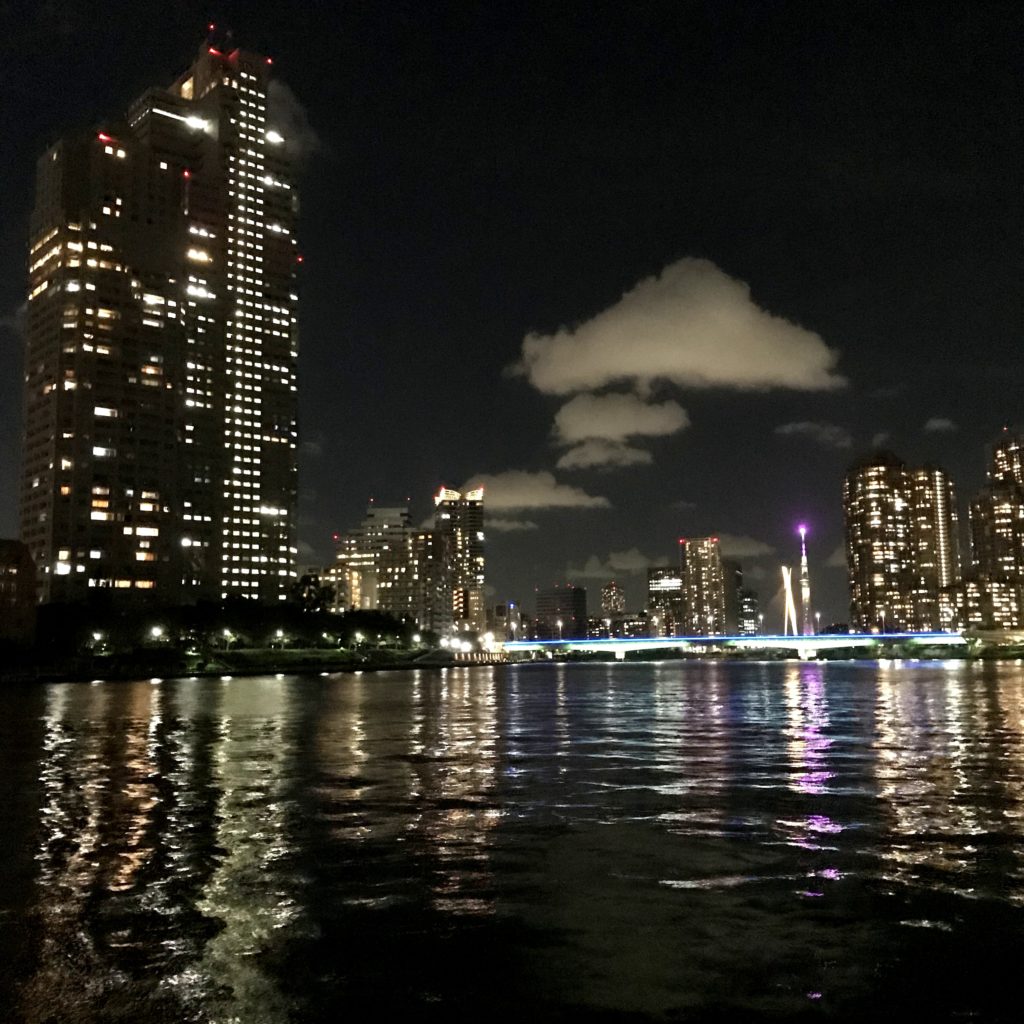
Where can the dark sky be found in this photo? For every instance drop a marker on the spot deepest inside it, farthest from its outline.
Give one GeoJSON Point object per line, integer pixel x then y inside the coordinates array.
{"type": "Point", "coordinates": [487, 171]}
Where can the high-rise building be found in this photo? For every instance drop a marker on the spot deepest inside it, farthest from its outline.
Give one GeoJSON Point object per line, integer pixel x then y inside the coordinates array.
{"type": "Point", "coordinates": [997, 513]}
{"type": "Point", "coordinates": [901, 543]}
{"type": "Point", "coordinates": [991, 596]}
{"type": "Point", "coordinates": [876, 508]}
{"type": "Point", "coordinates": [359, 554]}
{"type": "Point", "coordinates": [460, 518]}
{"type": "Point", "coordinates": [415, 579]}
{"type": "Point", "coordinates": [749, 618]}
{"type": "Point", "coordinates": [561, 613]}
{"type": "Point", "coordinates": [935, 539]}
{"type": "Point", "coordinates": [665, 601]}
{"type": "Point", "coordinates": [703, 586]}
{"type": "Point", "coordinates": [160, 365]}
{"type": "Point", "coordinates": [613, 600]}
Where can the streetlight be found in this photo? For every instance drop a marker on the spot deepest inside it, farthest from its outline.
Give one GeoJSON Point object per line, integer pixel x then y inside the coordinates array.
{"type": "Point", "coordinates": [156, 632]}
{"type": "Point", "coordinates": [817, 622]}
{"type": "Point", "coordinates": [559, 624]}
{"type": "Point", "coordinates": [760, 623]}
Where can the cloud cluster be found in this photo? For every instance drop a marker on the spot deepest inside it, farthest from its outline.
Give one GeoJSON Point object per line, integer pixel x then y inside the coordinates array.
{"type": "Point", "coordinates": [827, 434]}
{"type": "Point", "coordinates": [285, 114]}
{"type": "Point", "coordinates": [616, 417]}
{"type": "Point", "coordinates": [521, 489]}
{"type": "Point", "coordinates": [735, 546]}
{"type": "Point", "coordinates": [939, 425]}
{"type": "Point", "coordinates": [692, 325]}
{"type": "Point", "coordinates": [606, 454]}
{"type": "Point", "coordinates": [618, 563]}
{"type": "Point", "coordinates": [502, 525]}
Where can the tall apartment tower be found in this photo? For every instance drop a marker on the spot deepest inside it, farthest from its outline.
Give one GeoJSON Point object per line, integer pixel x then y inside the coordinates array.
{"type": "Point", "coordinates": [901, 543]}
{"type": "Point", "coordinates": [936, 541]}
{"type": "Point", "coordinates": [360, 553]}
{"type": "Point", "coordinates": [160, 385]}
{"type": "Point", "coordinates": [997, 513]}
{"type": "Point", "coordinates": [460, 519]}
{"type": "Point", "coordinates": [704, 584]}
{"type": "Point", "coordinates": [613, 599]}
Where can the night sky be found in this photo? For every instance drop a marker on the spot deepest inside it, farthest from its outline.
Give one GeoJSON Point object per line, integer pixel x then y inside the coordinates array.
{"type": "Point", "coordinates": [740, 240]}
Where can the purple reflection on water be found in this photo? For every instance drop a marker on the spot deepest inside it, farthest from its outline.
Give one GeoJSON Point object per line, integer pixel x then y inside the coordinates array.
{"type": "Point", "coordinates": [822, 823]}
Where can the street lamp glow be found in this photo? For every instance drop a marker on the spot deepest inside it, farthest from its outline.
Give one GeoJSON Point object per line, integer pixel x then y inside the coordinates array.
{"type": "Point", "coordinates": [156, 632]}
{"type": "Point", "coordinates": [416, 638]}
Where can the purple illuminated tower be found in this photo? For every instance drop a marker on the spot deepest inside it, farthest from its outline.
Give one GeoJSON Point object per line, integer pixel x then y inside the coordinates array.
{"type": "Point", "coordinates": [805, 584]}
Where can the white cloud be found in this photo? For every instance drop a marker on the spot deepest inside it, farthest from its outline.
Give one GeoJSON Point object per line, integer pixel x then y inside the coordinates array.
{"type": "Point", "coordinates": [501, 525]}
{"type": "Point", "coordinates": [286, 115]}
{"type": "Point", "coordinates": [881, 439]}
{"type": "Point", "coordinates": [616, 417]}
{"type": "Point", "coordinates": [692, 325]}
{"type": "Point", "coordinates": [618, 563]}
{"type": "Point", "coordinates": [521, 489]}
{"type": "Point", "coordinates": [837, 560]}
{"type": "Point", "coordinates": [597, 452]}
{"type": "Point", "coordinates": [939, 425]}
{"type": "Point", "coordinates": [828, 434]}
{"type": "Point", "coordinates": [734, 546]}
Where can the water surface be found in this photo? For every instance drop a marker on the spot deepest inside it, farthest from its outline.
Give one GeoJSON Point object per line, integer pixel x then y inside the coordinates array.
{"type": "Point", "coordinates": [678, 841]}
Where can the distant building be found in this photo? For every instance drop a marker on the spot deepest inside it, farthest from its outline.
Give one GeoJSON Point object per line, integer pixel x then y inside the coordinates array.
{"type": "Point", "coordinates": [415, 579]}
{"type": "Point", "coordinates": [749, 617]}
{"type": "Point", "coordinates": [989, 597]}
{"type": "Point", "coordinates": [901, 543]}
{"type": "Point", "coordinates": [460, 518]}
{"type": "Point", "coordinates": [17, 592]}
{"type": "Point", "coordinates": [983, 604]}
{"type": "Point", "coordinates": [505, 621]}
{"type": "Point", "coordinates": [613, 600]}
{"type": "Point", "coordinates": [359, 554]}
{"type": "Point", "coordinates": [997, 514]}
{"type": "Point", "coordinates": [703, 586]}
{"type": "Point", "coordinates": [665, 601]}
{"type": "Point", "coordinates": [935, 538]}
{"type": "Point", "coordinates": [561, 613]}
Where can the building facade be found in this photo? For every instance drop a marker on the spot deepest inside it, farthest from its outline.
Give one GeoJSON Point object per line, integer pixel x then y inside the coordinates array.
{"type": "Point", "coordinates": [160, 368]}
{"type": "Point", "coordinates": [415, 580]}
{"type": "Point", "coordinates": [561, 613]}
{"type": "Point", "coordinates": [704, 585]}
{"type": "Point", "coordinates": [665, 605]}
{"type": "Point", "coordinates": [902, 544]}
{"type": "Point", "coordinates": [613, 599]}
{"type": "Point", "coordinates": [359, 554]}
{"type": "Point", "coordinates": [460, 519]}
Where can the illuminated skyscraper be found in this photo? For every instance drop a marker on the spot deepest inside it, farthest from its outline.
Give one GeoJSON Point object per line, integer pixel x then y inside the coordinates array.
{"type": "Point", "coordinates": [876, 507]}
{"type": "Point", "coordinates": [997, 514]}
{"type": "Point", "coordinates": [613, 599]}
{"type": "Point", "coordinates": [703, 586]}
{"type": "Point", "coordinates": [936, 541]}
{"type": "Point", "coordinates": [901, 543]}
{"type": "Point", "coordinates": [460, 519]}
{"type": "Point", "coordinates": [360, 553]}
{"type": "Point", "coordinates": [160, 384]}
{"type": "Point", "coordinates": [415, 580]}
{"type": "Point", "coordinates": [665, 601]}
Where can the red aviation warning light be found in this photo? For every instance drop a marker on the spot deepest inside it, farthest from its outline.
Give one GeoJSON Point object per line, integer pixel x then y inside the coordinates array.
{"type": "Point", "coordinates": [104, 137]}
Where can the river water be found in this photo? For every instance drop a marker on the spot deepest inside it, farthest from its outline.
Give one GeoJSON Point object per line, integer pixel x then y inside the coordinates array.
{"type": "Point", "coordinates": [702, 841]}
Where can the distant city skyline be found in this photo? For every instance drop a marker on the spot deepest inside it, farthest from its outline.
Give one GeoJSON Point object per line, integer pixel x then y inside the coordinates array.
{"type": "Point", "coordinates": [495, 203]}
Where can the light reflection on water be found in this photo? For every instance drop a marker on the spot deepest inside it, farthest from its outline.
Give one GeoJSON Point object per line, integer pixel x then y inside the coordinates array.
{"type": "Point", "coordinates": [678, 838]}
